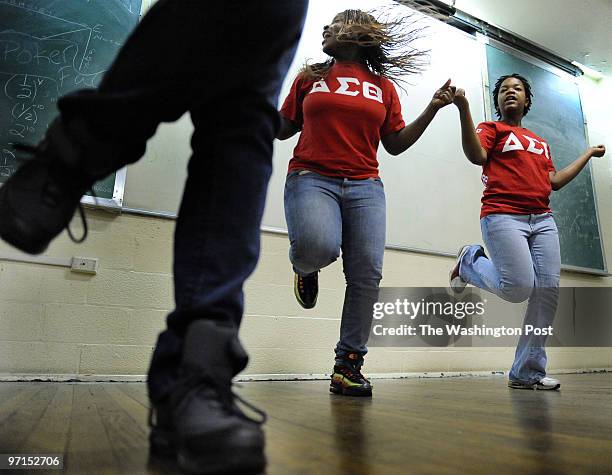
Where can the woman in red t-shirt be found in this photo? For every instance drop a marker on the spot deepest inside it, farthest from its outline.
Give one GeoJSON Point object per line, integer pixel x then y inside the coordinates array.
{"type": "Point", "coordinates": [516, 221]}
{"type": "Point", "coordinates": [334, 198]}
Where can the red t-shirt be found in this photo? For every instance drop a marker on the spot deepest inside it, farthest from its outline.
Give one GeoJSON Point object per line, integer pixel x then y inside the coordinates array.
{"type": "Point", "coordinates": [342, 119]}
{"type": "Point", "coordinates": [515, 174]}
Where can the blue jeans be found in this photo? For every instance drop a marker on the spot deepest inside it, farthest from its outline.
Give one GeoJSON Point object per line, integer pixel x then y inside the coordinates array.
{"type": "Point", "coordinates": [525, 263]}
{"type": "Point", "coordinates": [181, 59]}
{"type": "Point", "coordinates": [327, 215]}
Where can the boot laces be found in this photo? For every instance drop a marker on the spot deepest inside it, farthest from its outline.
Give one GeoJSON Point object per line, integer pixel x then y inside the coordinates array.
{"type": "Point", "coordinates": [227, 397]}
{"type": "Point", "coordinates": [352, 372]}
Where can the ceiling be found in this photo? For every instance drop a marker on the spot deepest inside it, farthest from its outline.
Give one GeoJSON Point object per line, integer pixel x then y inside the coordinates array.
{"type": "Point", "coordinates": [579, 30]}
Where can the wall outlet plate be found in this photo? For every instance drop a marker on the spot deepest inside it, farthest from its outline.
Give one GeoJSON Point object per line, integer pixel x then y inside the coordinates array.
{"type": "Point", "coordinates": [87, 265]}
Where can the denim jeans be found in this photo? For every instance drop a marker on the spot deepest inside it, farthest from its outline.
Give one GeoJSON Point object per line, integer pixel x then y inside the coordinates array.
{"type": "Point", "coordinates": [224, 63]}
{"type": "Point", "coordinates": [327, 215]}
{"type": "Point", "coordinates": [525, 263]}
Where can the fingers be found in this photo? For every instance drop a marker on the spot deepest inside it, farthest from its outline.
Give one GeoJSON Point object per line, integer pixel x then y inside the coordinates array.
{"type": "Point", "coordinates": [598, 150]}
{"type": "Point", "coordinates": [447, 96]}
{"type": "Point", "coordinates": [447, 93]}
{"type": "Point", "coordinates": [447, 87]}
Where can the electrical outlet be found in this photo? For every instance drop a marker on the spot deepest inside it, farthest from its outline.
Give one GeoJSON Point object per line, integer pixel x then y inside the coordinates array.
{"type": "Point", "coordinates": [87, 265]}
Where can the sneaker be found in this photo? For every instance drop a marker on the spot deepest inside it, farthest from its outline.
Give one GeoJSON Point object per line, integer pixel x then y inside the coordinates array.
{"type": "Point", "coordinates": [306, 289]}
{"type": "Point", "coordinates": [546, 383]}
{"type": "Point", "coordinates": [347, 379]}
{"type": "Point", "coordinates": [201, 421]}
{"type": "Point", "coordinates": [39, 200]}
{"type": "Point", "coordinates": [457, 284]}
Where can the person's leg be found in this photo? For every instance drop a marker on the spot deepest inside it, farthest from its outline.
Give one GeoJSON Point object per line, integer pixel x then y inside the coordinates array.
{"type": "Point", "coordinates": [363, 246]}
{"type": "Point", "coordinates": [217, 235]}
{"type": "Point", "coordinates": [508, 273]}
{"type": "Point", "coordinates": [529, 365]}
{"type": "Point", "coordinates": [216, 249]}
{"type": "Point", "coordinates": [314, 220]}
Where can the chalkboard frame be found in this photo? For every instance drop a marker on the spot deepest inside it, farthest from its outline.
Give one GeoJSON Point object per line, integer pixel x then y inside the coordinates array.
{"type": "Point", "coordinates": [114, 204]}
{"type": "Point", "coordinates": [488, 115]}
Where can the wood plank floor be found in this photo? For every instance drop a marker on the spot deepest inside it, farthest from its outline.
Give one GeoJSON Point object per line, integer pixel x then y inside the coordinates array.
{"type": "Point", "coordinates": [414, 426]}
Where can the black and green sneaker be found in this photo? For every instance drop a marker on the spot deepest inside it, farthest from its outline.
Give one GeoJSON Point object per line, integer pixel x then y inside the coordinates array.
{"type": "Point", "coordinates": [347, 379]}
{"type": "Point", "coordinates": [306, 289]}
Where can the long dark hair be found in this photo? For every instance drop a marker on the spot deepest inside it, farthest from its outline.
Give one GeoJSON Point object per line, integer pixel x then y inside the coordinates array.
{"type": "Point", "coordinates": [526, 85]}
{"type": "Point", "coordinates": [386, 44]}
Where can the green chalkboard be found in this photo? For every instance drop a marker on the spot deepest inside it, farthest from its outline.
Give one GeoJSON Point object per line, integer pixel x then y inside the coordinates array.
{"type": "Point", "coordinates": [556, 116]}
{"type": "Point", "coordinates": [47, 49]}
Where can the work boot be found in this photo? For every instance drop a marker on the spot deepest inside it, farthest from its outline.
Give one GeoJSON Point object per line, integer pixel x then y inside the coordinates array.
{"type": "Point", "coordinates": [38, 201]}
{"type": "Point", "coordinates": [200, 421]}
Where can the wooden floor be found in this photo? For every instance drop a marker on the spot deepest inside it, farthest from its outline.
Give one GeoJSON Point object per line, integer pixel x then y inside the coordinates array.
{"type": "Point", "coordinates": [415, 426]}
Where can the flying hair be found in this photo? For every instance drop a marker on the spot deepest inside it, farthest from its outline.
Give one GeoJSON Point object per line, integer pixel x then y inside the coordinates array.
{"type": "Point", "coordinates": [386, 38]}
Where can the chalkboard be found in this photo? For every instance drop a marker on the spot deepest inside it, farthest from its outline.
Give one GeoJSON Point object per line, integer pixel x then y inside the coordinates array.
{"type": "Point", "coordinates": [47, 49]}
{"type": "Point", "coordinates": [556, 115]}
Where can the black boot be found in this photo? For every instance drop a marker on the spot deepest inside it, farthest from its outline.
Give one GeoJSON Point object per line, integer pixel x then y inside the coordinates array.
{"type": "Point", "coordinates": [200, 420]}
{"type": "Point", "coordinates": [38, 201]}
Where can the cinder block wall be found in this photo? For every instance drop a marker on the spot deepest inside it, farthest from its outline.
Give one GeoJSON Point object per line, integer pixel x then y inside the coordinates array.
{"type": "Point", "coordinates": [54, 321]}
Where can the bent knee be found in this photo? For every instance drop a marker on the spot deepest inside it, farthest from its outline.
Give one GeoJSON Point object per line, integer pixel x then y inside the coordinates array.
{"type": "Point", "coordinates": [516, 292]}
{"type": "Point", "coordinates": [310, 256]}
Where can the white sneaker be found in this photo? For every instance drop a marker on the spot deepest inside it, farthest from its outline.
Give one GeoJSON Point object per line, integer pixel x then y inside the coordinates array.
{"type": "Point", "coordinates": [546, 384]}
{"type": "Point", "coordinates": [456, 282]}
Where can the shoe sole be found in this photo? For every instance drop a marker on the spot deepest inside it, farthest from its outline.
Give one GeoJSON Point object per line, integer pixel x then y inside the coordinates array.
{"type": "Point", "coordinates": [162, 444]}
{"type": "Point", "coordinates": [246, 461]}
{"type": "Point", "coordinates": [251, 460]}
{"type": "Point", "coordinates": [342, 391]}
{"type": "Point", "coordinates": [13, 229]}
{"type": "Point", "coordinates": [533, 387]}
{"type": "Point", "coordinates": [454, 287]}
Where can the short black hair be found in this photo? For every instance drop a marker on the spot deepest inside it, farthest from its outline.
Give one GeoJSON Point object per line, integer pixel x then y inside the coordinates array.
{"type": "Point", "coordinates": [526, 85]}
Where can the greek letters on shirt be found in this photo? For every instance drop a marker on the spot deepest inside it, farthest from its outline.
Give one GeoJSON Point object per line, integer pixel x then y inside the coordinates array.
{"type": "Point", "coordinates": [516, 172]}
{"type": "Point", "coordinates": [350, 87]}
{"type": "Point", "coordinates": [513, 143]}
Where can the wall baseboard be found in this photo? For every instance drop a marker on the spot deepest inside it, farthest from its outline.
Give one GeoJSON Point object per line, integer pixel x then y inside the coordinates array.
{"type": "Point", "coordinates": [139, 378]}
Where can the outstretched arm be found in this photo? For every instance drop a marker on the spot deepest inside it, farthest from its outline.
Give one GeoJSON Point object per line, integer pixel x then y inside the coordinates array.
{"type": "Point", "coordinates": [469, 140]}
{"type": "Point", "coordinates": [561, 178]}
{"type": "Point", "coordinates": [400, 141]}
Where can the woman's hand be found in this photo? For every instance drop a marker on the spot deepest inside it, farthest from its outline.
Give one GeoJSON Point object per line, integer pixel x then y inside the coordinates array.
{"type": "Point", "coordinates": [460, 100]}
{"type": "Point", "coordinates": [562, 177]}
{"type": "Point", "coordinates": [443, 96]}
{"type": "Point", "coordinates": [597, 151]}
